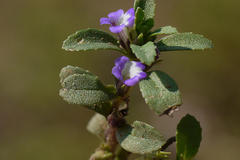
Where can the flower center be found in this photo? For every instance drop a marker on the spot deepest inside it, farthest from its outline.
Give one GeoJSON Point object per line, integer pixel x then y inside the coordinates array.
{"type": "Point", "coordinates": [130, 70]}
{"type": "Point", "coordinates": [124, 19]}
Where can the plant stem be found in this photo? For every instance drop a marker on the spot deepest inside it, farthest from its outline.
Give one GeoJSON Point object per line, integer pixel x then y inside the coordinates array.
{"type": "Point", "coordinates": [168, 143]}
{"type": "Point", "coordinates": [111, 130]}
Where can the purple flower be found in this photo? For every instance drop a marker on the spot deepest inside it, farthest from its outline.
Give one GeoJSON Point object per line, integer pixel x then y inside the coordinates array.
{"type": "Point", "coordinates": [129, 72]}
{"type": "Point", "coordinates": [119, 20]}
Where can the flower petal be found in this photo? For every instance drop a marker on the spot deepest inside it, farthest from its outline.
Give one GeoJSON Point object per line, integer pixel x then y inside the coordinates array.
{"type": "Point", "coordinates": [115, 16]}
{"type": "Point", "coordinates": [130, 21]}
{"type": "Point", "coordinates": [105, 21]}
{"type": "Point", "coordinates": [117, 72]}
{"type": "Point", "coordinates": [116, 29]}
{"type": "Point", "coordinates": [131, 81]}
{"type": "Point", "coordinates": [120, 60]}
{"type": "Point", "coordinates": [140, 65]}
{"type": "Point", "coordinates": [128, 18]}
{"type": "Point", "coordinates": [142, 75]}
{"type": "Point", "coordinates": [119, 65]}
{"type": "Point", "coordinates": [131, 12]}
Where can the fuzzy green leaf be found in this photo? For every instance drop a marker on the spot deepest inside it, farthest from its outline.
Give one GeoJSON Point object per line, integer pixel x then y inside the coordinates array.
{"type": "Point", "coordinates": [84, 88]}
{"type": "Point", "coordinates": [142, 25]}
{"type": "Point", "coordinates": [146, 26]}
{"type": "Point", "coordinates": [188, 138]}
{"type": "Point", "coordinates": [90, 39]}
{"type": "Point", "coordinates": [139, 19]}
{"type": "Point", "coordinates": [70, 70]}
{"type": "Point", "coordinates": [97, 125]}
{"type": "Point", "coordinates": [146, 53]}
{"type": "Point", "coordinates": [164, 30]}
{"type": "Point", "coordinates": [139, 138]}
{"type": "Point", "coordinates": [160, 92]}
{"type": "Point", "coordinates": [148, 6]}
{"type": "Point", "coordinates": [184, 41]}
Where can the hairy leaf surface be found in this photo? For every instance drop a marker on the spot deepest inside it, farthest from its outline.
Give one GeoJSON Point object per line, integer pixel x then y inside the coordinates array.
{"type": "Point", "coordinates": [91, 39]}
{"type": "Point", "coordinates": [160, 92]}
{"type": "Point", "coordinates": [139, 138]}
{"type": "Point", "coordinates": [82, 87]}
{"type": "Point", "coordinates": [184, 41]}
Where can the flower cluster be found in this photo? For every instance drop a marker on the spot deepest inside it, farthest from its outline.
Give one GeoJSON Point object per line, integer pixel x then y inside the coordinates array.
{"type": "Point", "coordinates": [129, 72]}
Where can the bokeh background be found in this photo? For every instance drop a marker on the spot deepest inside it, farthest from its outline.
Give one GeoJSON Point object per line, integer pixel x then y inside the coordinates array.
{"type": "Point", "coordinates": [35, 123]}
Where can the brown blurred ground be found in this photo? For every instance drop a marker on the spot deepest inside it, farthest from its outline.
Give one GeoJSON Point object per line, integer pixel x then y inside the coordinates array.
{"type": "Point", "coordinates": [35, 123]}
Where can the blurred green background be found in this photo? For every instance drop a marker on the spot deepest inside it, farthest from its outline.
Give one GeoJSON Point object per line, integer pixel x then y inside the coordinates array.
{"type": "Point", "coordinates": [35, 123]}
